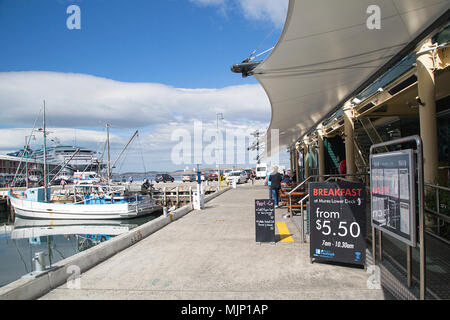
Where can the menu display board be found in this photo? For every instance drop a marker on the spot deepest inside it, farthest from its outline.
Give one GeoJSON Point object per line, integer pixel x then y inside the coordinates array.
{"type": "Point", "coordinates": [265, 220]}
{"type": "Point", "coordinates": [338, 221]}
{"type": "Point", "coordinates": [392, 186]}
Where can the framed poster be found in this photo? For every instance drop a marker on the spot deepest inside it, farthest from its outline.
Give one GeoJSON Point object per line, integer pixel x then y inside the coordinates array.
{"type": "Point", "coordinates": [392, 185]}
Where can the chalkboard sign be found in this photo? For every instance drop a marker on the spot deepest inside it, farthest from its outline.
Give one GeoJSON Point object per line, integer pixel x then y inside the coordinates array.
{"type": "Point", "coordinates": [393, 194]}
{"type": "Point", "coordinates": [338, 221]}
{"type": "Point", "coordinates": [265, 220]}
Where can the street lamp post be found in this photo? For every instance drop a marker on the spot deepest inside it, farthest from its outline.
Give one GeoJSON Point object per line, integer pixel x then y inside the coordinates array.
{"type": "Point", "coordinates": [219, 117]}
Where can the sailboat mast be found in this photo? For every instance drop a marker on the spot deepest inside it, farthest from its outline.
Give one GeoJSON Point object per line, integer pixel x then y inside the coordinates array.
{"type": "Point", "coordinates": [109, 154]}
{"type": "Point", "coordinates": [45, 159]}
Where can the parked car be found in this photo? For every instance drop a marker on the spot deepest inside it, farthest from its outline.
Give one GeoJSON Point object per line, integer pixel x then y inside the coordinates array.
{"type": "Point", "coordinates": [188, 178]}
{"type": "Point", "coordinates": [238, 176]}
{"type": "Point", "coordinates": [212, 176]}
{"type": "Point", "coordinates": [164, 178]}
{"type": "Point", "coordinates": [249, 173]}
{"type": "Point", "coordinates": [86, 178]}
{"type": "Point", "coordinates": [57, 181]}
{"type": "Point", "coordinates": [226, 173]}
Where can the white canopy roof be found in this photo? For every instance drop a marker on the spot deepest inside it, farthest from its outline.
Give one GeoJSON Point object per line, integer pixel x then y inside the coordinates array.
{"type": "Point", "coordinates": [326, 52]}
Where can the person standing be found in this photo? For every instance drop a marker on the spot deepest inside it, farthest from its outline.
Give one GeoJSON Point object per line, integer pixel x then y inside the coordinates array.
{"type": "Point", "coordinates": [267, 183]}
{"type": "Point", "coordinates": [275, 184]}
{"type": "Point", "coordinates": [342, 166]}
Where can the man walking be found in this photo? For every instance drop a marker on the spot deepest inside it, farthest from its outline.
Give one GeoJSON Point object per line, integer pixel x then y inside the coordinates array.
{"type": "Point", "coordinates": [275, 184]}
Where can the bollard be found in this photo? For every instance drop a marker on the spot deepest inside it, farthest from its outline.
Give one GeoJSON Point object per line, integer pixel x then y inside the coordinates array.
{"type": "Point", "coordinates": [165, 197]}
{"type": "Point", "coordinates": [39, 261]}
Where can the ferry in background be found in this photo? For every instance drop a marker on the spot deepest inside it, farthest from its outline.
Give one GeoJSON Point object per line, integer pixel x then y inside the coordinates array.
{"type": "Point", "coordinates": [85, 160]}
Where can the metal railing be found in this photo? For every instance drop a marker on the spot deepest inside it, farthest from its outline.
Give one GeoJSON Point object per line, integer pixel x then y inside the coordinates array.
{"type": "Point", "coordinates": [441, 218]}
{"type": "Point", "coordinates": [295, 189]}
{"type": "Point", "coordinates": [304, 200]}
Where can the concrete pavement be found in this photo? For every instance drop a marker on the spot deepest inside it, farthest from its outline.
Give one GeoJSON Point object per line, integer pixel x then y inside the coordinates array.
{"type": "Point", "coordinates": [212, 254]}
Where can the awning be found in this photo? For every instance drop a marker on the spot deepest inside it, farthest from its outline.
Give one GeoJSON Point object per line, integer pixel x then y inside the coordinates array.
{"type": "Point", "coordinates": [326, 52]}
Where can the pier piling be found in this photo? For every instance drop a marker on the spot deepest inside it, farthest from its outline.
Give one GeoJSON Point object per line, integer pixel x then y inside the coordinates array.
{"type": "Point", "coordinates": [11, 211]}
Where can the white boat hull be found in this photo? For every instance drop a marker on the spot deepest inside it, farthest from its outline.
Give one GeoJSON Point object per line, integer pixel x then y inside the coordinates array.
{"type": "Point", "coordinates": [41, 210]}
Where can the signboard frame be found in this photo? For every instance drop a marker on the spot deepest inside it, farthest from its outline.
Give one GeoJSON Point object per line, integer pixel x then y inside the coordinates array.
{"type": "Point", "coordinates": [334, 246]}
{"type": "Point", "coordinates": [421, 218]}
{"type": "Point", "coordinates": [261, 230]}
{"type": "Point", "coordinates": [409, 154]}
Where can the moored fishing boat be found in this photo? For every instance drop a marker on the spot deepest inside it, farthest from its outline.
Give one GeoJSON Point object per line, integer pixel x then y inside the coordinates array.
{"type": "Point", "coordinates": [81, 202]}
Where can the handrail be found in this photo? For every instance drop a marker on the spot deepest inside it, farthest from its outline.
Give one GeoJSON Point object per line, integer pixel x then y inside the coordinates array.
{"type": "Point", "coordinates": [295, 189]}
{"type": "Point", "coordinates": [322, 176]}
{"type": "Point", "coordinates": [301, 184]}
{"type": "Point", "coordinates": [303, 218]}
{"type": "Point", "coordinates": [440, 217]}
{"type": "Point", "coordinates": [436, 187]}
{"type": "Point", "coordinates": [438, 214]}
{"type": "Point", "coordinates": [328, 176]}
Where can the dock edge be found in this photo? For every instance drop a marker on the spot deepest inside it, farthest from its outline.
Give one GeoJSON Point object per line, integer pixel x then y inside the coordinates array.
{"type": "Point", "coordinates": [29, 289]}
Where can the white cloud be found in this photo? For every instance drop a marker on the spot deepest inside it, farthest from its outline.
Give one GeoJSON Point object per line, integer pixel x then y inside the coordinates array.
{"type": "Point", "coordinates": [86, 103]}
{"type": "Point", "coordinates": [78, 100]}
{"type": "Point", "coordinates": [259, 10]}
{"type": "Point", "coordinates": [265, 10]}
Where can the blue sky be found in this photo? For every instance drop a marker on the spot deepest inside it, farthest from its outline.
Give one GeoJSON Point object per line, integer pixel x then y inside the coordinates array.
{"type": "Point", "coordinates": [174, 42]}
{"type": "Point", "coordinates": [156, 66]}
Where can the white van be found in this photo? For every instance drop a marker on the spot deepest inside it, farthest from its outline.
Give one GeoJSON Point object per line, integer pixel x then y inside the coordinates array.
{"type": "Point", "coordinates": [86, 178]}
{"type": "Point", "coordinates": [261, 171]}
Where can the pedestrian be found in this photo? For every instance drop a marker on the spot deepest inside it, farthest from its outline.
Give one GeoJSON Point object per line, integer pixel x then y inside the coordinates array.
{"type": "Point", "coordinates": [267, 183]}
{"type": "Point", "coordinates": [145, 186]}
{"type": "Point", "coordinates": [63, 183]}
{"type": "Point", "coordinates": [286, 179]}
{"type": "Point", "coordinates": [275, 184]}
{"type": "Point", "coordinates": [342, 166]}
{"type": "Point", "coordinates": [292, 174]}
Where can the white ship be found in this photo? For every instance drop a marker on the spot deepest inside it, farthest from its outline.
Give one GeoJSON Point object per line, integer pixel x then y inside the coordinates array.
{"type": "Point", "coordinates": [84, 160]}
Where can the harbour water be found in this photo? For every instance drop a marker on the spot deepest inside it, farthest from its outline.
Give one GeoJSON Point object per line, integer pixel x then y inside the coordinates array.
{"type": "Point", "coordinates": [58, 239]}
